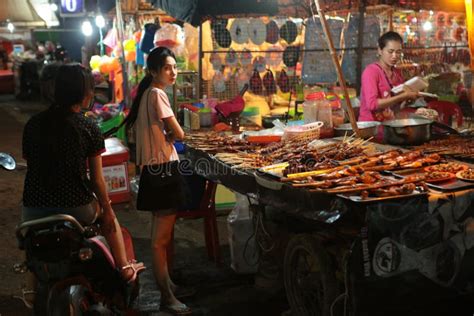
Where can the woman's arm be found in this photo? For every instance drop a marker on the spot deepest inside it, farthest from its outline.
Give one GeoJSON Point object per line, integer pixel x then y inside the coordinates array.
{"type": "Point", "coordinates": [407, 94]}
{"type": "Point", "coordinates": [98, 182]}
{"type": "Point", "coordinates": [175, 132]}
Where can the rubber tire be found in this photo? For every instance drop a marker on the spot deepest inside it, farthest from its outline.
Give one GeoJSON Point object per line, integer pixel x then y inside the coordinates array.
{"type": "Point", "coordinates": [66, 301]}
{"type": "Point", "coordinates": [326, 289]}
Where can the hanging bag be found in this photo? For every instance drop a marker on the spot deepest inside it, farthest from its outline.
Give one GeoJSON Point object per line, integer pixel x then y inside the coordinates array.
{"type": "Point", "coordinates": [160, 184]}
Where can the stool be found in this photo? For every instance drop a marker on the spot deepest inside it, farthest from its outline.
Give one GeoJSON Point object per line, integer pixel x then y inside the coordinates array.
{"type": "Point", "coordinates": [207, 210]}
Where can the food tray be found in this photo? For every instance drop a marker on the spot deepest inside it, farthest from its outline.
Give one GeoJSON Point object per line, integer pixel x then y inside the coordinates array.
{"type": "Point", "coordinates": [450, 185]}
{"type": "Point", "coordinates": [357, 198]}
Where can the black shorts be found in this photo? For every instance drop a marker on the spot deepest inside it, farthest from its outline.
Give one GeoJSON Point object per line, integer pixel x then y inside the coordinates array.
{"type": "Point", "coordinates": [160, 187]}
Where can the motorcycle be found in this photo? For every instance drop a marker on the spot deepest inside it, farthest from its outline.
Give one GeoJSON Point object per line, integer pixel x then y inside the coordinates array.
{"type": "Point", "coordinates": [74, 267]}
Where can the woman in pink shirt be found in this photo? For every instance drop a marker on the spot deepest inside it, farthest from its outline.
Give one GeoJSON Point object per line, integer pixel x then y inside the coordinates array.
{"type": "Point", "coordinates": [377, 101]}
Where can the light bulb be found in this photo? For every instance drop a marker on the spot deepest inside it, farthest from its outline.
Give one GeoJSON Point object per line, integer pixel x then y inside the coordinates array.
{"type": "Point", "coordinates": [100, 21]}
{"type": "Point", "coordinates": [53, 7]}
{"type": "Point", "coordinates": [86, 28]}
{"type": "Point", "coordinates": [10, 27]}
{"type": "Point", "coordinates": [427, 26]}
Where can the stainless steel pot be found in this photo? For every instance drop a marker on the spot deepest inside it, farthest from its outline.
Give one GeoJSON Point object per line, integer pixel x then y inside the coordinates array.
{"type": "Point", "coordinates": [366, 129]}
{"type": "Point", "coordinates": [407, 131]}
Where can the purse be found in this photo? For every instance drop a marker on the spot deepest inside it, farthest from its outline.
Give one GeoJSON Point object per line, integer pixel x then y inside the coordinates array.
{"type": "Point", "coordinates": [160, 184]}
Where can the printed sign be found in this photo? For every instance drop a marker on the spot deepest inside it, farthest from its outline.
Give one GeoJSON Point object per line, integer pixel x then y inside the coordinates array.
{"type": "Point", "coordinates": [116, 178]}
{"type": "Point", "coordinates": [72, 8]}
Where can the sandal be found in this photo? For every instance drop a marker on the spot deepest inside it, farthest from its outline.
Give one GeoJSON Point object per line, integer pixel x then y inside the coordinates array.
{"type": "Point", "coordinates": [137, 267]}
{"type": "Point", "coordinates": [23, 297]}
{"type": "Point", "coordinates": [178, 309]}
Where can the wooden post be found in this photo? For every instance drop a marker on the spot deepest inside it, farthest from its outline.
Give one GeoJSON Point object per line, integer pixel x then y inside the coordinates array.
{"type": "Point", "coordinates": [199, 92]}
{"type": "Point", "coordinates": [335, 60]}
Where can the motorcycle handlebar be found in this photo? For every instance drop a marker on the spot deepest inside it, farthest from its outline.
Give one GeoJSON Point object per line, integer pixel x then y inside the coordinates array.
{"type": "Point", "coordinates": [48, 219]}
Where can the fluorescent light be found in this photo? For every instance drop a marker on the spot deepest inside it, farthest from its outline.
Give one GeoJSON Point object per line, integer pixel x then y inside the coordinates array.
{"type": "Point", "coordinates": [86, 28]}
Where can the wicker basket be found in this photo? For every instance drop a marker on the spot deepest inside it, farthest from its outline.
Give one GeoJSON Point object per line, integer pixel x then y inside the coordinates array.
{"type": "Point", "coordinates": [307, 132]}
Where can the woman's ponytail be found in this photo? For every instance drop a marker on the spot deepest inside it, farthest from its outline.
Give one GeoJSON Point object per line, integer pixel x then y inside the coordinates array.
{"type": "Point", "coordinates": [132, 116]}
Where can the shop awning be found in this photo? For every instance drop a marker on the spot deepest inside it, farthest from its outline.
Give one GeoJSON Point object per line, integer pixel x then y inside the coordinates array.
{"type": "Point", "coordinates": [20, 13]}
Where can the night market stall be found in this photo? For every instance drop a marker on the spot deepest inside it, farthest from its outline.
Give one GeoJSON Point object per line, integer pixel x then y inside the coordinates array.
{"type": "Point", "coordinates": [372, 226]}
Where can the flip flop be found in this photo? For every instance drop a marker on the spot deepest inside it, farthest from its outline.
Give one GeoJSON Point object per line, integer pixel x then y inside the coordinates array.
{"type": "Point", "coordinates": [177, 309]}
{"type": "Point", "coordinates": [184, 291]}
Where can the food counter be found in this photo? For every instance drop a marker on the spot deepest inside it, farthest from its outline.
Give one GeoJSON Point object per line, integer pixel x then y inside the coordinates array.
{"type": "Point", "coordinates": [374, 217]}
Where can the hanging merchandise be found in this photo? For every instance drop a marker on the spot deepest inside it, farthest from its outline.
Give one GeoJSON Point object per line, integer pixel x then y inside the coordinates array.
{"type": "Point", "coordinates": [111, 38]}
{"type": "Point", "coordinates": [284, 82]}
{"type": "Point", "coordinates": [218, 82]}
{"type": "Point", "coordinates": [245, 57]}
{"type": "Point", "coordinates": [130, 56]}
{"type": "Point", "coordinates": [441, 19]}
{"type": "Point", "coordinates": [291, 55]}
{"type": "Point", "coordinates": [148, 36]}
{"type": "Point", "coordinates": [216, 61]}
{"type": "Point", "coordinates": [273, 55]}
{"type": "Point", "coordinates": [239, 31]}
{"type": "Point", "coordinates": [219, 24]}
{"type": "Point", "coordinates": [259, 63]}
{"type": "Point", "coordinates": [231, 58]}
{"type": "Point", "coordinates": [95, 62]}
{"type": "Point", "coordinates": [170, 35]}
{"type": "Point", "coordinates": [257, 31]}
{"type": "Point", "coordinates": [273, 33]}
{"type": "Point", "coordinates": [289, 31]}
{"type": "Point", "coordinates": [242, 78]}
{"type": "Point", "coordinates": [269, 83]}
{"type": "Point", "coordinates": [140, 59]}
{"type": "Point", "coordinates": [222, 37]}
{"type": "Point", "coordinates": [256, 85]}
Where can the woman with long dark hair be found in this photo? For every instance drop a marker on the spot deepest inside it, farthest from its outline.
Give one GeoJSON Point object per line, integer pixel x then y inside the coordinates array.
{"type": "Point", "coordinates": [58, 144]}
{"type": "Point", "coordinates": [156, 128]}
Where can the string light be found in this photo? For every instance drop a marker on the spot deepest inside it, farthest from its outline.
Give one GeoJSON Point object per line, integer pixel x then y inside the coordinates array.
{"type": "Point", "coordinates": [10, 27]}
{"type": "Point", "coordinates": [100, 21]}
{"type": "Point", "coordinates": [427, 26]}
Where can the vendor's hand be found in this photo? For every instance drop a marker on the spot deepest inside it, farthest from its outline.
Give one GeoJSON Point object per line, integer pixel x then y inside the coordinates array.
{"type": "Point", "coordinates": [410, 95]}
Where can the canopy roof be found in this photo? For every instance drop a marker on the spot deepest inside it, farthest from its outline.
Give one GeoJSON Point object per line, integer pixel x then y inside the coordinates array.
{"type": "Point", "coordinates": [20, 13]}
{"type": "Point", "coordinates": [197, 11]}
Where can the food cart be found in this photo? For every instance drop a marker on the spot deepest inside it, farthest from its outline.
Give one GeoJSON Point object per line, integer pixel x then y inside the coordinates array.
{"type": "Point", "coordinates": [358, 241]}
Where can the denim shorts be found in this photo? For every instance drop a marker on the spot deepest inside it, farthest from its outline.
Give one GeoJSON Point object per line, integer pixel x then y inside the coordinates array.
{"type": "Point", "coordinates": [85, 214]}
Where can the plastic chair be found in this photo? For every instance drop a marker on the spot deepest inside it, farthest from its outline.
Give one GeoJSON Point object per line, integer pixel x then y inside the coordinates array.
{"type": "Point", "coordinates": [446, 110]}
{"type": "Point", "coordinates": [207, 211]}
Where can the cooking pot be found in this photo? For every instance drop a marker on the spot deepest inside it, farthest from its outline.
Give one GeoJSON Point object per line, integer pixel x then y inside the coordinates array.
{"type": "Point", "coordinates": [409, 131]}
{"type": "Point", "coordinates": [366, 129]}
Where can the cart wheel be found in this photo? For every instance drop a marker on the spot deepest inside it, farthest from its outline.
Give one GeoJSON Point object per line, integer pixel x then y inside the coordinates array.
{"type": "Point", "coordinates": [310, 282]}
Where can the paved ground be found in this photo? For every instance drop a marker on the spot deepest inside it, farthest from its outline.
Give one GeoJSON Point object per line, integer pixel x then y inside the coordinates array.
{"type": "Point", "coordinates": [220, 291]}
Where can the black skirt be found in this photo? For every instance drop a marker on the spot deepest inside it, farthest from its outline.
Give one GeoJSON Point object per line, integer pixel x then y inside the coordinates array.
{"type": "Point", "coordinates": [160, 187]}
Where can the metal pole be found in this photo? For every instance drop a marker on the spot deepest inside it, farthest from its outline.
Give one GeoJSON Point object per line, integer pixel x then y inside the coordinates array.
{"type": "Point", "coordinates": [360, 44]}
{"type": "Point", "coordinates": [335, 60]}
{"type": "Point", "coordinates": [199, 94]}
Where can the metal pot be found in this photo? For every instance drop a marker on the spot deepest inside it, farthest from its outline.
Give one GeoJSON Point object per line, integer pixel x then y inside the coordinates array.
{"type": "Point", "coordinates": [366, 129]}
{"type": "Point", "coordinates": [407, 131]}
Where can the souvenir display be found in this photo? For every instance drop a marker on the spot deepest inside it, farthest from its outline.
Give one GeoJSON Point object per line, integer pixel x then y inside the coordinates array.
{"type": "Point", "coordinates": [269, 83]}
{"type": "Point", "coordinates": [239, 31]}
{"type": "Point", "coordinates": [273, 32]}
{"type": "Point", "coordinates": [256, 85]}
{"type": "Point", "coordinates": [259, 63]}
{"type": "Point", "coordinates": [257, 31]}
{"type": "Point", "coordinates": [289, 32]}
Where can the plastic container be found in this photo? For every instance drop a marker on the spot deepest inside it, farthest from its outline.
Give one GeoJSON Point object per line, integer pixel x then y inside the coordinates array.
{"type": "Point", "coordinates": [251, 116]}
{"type": "Point", "coordinates": [311, 106]}
{"type": "Point", "coordinates": [325, 113]}
{"type": "Point", "coordinates": [205, 117]}
{"type": "Point", "coordinates": [243, 252]}
{"type": "Point", "coordinates": [194, 120]}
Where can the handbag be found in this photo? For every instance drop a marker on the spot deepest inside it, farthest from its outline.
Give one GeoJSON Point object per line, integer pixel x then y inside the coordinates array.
{"type": "Point", "coordinates": [160, 184]}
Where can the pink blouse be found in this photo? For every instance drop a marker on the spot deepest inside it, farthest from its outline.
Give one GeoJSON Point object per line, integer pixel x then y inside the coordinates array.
{"type": "Point", "coordinates": [376, 85]}
{"type": "Point", "coordinates": [152, 146]}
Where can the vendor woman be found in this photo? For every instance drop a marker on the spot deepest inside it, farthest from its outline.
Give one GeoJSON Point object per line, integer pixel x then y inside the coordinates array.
{"type": "Point", "coordinates": [377, 101]}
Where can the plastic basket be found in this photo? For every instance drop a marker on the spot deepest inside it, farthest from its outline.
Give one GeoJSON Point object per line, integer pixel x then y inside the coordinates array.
{"type": "Point", "coordinates": [113, 122]}
{"type": "Point", "coordinates": [307, 132]}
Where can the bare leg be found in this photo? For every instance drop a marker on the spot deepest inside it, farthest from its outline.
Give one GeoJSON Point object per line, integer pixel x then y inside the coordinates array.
{"type": "Point", "coordinates": [162, 231]}
{"type": "Point", "coordinates": [113, 234]}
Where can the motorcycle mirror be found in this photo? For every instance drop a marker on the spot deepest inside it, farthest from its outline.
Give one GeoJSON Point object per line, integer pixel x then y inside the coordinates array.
{"type": "Point", "coordinates": [7, 162]}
